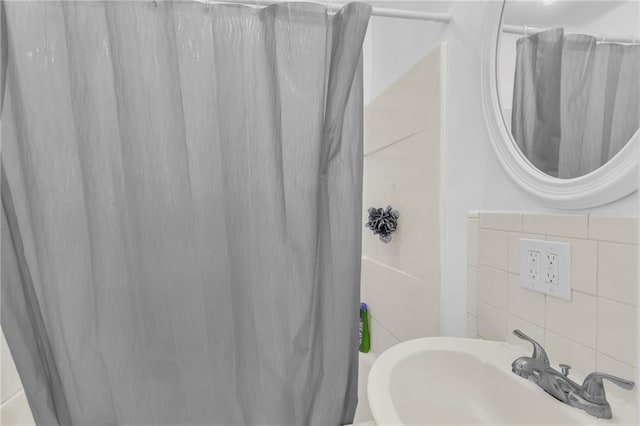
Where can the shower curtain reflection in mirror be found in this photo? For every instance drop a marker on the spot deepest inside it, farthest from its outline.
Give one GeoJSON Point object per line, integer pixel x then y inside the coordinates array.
{"type": "Point", "coordinates": [576, 101]}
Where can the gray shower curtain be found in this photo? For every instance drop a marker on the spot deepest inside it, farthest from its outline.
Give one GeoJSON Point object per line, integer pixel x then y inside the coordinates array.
{"type": "Point", "coordinates": [181, 191]}
{"type": "Point", "coordinates": [576, 102]}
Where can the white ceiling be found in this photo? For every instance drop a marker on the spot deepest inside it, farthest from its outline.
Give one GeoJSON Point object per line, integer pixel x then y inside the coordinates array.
{"type": "Point", "coordinates": [558, 13]}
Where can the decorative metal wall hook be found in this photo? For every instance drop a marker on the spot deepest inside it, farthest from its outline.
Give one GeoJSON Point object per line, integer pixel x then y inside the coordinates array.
{"type": "Point", "coordinates": [383, 222]}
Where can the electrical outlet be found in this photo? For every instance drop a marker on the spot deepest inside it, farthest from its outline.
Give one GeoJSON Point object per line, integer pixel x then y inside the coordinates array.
{"type": "Point", "coordinates": [546, 267]}
{"type": "Point", "coordinates": [533, 273]}
{"type": "Point", "coordinates": [551, 276]}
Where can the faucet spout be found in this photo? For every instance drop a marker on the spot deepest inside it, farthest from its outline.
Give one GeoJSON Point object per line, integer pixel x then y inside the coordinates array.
{"type": "Point", "coordinates": [539, 354]}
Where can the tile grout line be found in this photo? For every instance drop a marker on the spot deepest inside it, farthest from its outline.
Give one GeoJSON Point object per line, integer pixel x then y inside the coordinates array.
{"type": "Point", "coordinates": [385, 328]}
{"type": "Point", "coordinates": [575, 342]}
{"type": "Point", "coordinates": [12, 397]}
{"type": "Point", "coordinates": [608, 299]}
{"type": "Point", "coordinates": [404, 138]}
{"type": "Point", "coordinates": [495, 268]}
{"type": "Point", "coordinates": [506, 317]}
{"type": "Point", "coordinates": [625, 363]}
{"type": "Point", "coordinates": [525, 320]}
{"type": "Point", "coordinates": [585, 293]}
{"type": "Point", "coordinates": [491, 305]}
{"type": "Point", "coordinates": [400, 271]}
{"type": "Point", "coordinates": [597, 261]}
{"type": "Point", "coordinates": [616, 242]}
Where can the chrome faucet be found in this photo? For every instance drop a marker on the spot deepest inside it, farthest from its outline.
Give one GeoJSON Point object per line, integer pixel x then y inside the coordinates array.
{"type": "Point", "coordinates": [590, 396]}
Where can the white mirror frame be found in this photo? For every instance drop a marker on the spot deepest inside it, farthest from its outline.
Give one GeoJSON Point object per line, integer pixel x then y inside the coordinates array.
{"type": "Point", "coordinates": [613, 181]}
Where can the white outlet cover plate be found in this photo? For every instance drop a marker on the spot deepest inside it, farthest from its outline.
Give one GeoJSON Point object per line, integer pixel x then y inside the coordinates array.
{"type": "Point", "coordinates": [546, 277]}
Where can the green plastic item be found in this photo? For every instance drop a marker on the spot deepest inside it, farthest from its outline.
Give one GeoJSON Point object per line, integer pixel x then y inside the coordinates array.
{"type": "Point", "coordinates": [365, 344]}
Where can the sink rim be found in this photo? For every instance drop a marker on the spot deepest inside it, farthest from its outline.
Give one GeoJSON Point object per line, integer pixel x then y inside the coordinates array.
{"type": "Point", "coordinates": [499, 354]}
{"type": "Point", "coordinates": [379, 381]}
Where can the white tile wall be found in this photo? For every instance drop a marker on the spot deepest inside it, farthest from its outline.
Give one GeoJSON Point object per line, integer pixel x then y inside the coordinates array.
{"type": "Point", "coordinates": [502, 221]}
{"type": "Point", "coordinates": [391, 177]}
{"type": "Point", "coordinates": [617, 330]}
{"type": "Point", "coordinates": [525, 304]}
{"type": "Point", "coordinates": [381, 338]}
{"type": "Point", "coordinates": [618, 271]}
{"type": "Point", "coordinates": [472, 291]}
{"type": "Point", "coordinates": [555, 224]}
{"type": "Point", "coordinates": [472, 326]}
{"type": "Point", "coordinates": [14, 409]}
{"type": "Point", "coordinates": [562, 350]}
{"type": "Point", "coordinates": [597, 329]}
{"type": "Point", "coordinates": [492, 286]}
{"type": "Point", "coordinates": [399, 301]}
{"type": "Point", "coordinates": [472, 235]}
{"type": "Point", "coordinates": [615, 229]}
{"type": "Point", "coordinates": [492, 322]}
{"type": "Point", "coordinates": [472, 262]}
{"type": "Point", "coordinates": [8, 374]}
{"type": "Point", "coordinates": [409, 106]}
{"type": "Point", "coordinates": [575, 318]}
{"type": "Point", "coordinates": [401, 280]}
{"type": "Point", "coordinates": [492, 248]}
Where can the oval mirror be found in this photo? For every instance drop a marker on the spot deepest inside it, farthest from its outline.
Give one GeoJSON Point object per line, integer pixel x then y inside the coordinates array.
{"type": "Point", "coordinates": [561, 93]}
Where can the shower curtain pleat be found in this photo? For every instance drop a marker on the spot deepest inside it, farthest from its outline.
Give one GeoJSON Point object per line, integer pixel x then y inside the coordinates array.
{"type": "Point", "coordinates": [24, 323]}
{"type": "Point", "coordinates": [186, 181]}
{"type": "Point", "coordinates": [3, 55]}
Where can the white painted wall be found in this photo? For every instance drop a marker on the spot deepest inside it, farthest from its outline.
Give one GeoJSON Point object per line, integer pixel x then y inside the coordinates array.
{"type": "Point", "coordinates": [472, 177]}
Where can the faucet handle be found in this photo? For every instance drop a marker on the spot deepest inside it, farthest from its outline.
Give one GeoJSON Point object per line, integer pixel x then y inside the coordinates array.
{"type": "Point", "coordinates": [594, 389]}
{"type": "Point", "coordinates": [539, 353]}
{"type": "Point", "coordinates": [565, 369]}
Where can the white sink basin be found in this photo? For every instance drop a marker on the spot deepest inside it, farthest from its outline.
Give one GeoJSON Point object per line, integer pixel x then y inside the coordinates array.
{"type": "Point", "coordinates": [454, 381]}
